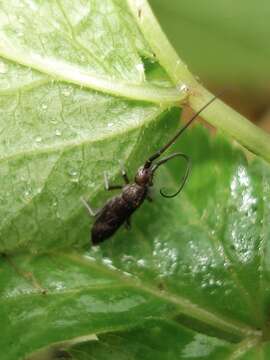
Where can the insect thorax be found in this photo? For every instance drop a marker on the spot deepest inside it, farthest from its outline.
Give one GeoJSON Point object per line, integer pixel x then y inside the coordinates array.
{"type": "Point", "coordinates": [134, 194]}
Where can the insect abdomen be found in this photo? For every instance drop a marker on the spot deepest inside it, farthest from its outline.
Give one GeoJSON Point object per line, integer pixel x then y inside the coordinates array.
{"type": "Point", "coordinates": [115, 213]}
{"type": "Point", "coordinates": [112, 216]}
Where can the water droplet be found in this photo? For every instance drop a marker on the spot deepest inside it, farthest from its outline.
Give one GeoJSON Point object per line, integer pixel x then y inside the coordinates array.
{"type": "Point", "coordinates": [204, 285]}
{"type": "Point", "coordinates": [38, 139]}
{"type": "Point", "coordinates": [182, 87]}
{"type": "Point", "coordinates": [108, 262]}
{"type": "Point", "coordinates": [58, 132]}
{"type": "Point", "coordinates": [127, 258]}
{"type": "Point", "coordinates": [74, 176]}
{"type": "Point", "coordinates": [110, 124]}
{"type": "Point", "coordinates": [44, 106]}
{"type": "Point", "coordinates": [73, 173]}
{"type": "Point", "coordinates": [141, 263]}
{"type": "Point", "coordinates": [66, 92]}
{"type": "Point", "coordinates": [126, 273]}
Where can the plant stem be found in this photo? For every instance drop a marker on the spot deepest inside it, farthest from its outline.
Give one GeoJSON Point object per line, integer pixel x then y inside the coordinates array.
{"type": "Point", "coordinates": [218, 114]}
{"type": "Point", "coordinates": [230, 121]}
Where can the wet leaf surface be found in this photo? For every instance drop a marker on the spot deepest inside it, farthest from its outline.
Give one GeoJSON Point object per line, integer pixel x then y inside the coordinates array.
{"type": "Point", "coordinates": [191, 278]}
{"type": "Point", "coordinates": [193, 263]}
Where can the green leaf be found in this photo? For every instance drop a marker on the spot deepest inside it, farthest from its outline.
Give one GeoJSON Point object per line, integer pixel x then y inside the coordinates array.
{"type": "Point", "coordinates": [193, 263]}
{"type": "Point", "coordinates": [159, 339]}
{"type": "Point", "coordinates": [58, 137]}
{"type": "Point", "coordinates": [84, 85]}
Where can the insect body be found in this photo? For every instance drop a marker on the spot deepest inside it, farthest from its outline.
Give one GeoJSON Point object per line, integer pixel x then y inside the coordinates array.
{"type": "Point", "coordinates": [118, 210]}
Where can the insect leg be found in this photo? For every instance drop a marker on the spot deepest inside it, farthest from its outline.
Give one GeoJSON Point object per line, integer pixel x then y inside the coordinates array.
{"type": "Point", "coordinates": [124, 175]}
{"type": "Point", "coordinates": [109, 187]}
{"type": "Point", "coordinates": [91, 211]}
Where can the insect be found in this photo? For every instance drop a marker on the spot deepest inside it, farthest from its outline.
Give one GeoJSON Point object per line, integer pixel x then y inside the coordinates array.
{"type": "Point", "coordinates": [118, 210]}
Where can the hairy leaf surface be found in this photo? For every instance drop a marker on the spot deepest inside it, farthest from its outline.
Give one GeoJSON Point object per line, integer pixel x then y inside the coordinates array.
{"type": "Point", "coordinates": [80, 90]}
{"type": "Point", "coordinates": [193, 263]}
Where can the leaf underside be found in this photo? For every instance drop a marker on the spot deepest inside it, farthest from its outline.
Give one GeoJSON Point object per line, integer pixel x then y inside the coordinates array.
{"type": "Point", "coordinates": [191, 278]}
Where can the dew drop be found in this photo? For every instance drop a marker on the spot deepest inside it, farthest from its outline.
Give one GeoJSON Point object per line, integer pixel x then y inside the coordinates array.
{"type": "Point", "coordinates": [66, 92]}
{"type": "Point", "coordinates": [182, 87]}
{"type": "Point", "coordinates": [44, 106]}
{"type": "Point", "coordinates": [204, 285]}
{"type": "Point", "coordinates": [38, 139]}
{"type": "Point", "coordinates": [141, 263]}
{"type": "Point", "coordinates": [108, 262]}
{"type": "Point", "coordinates": [74, 176]}
{"type": "Point", "coordinates": [58, 132]}
{"type": "Point", "coordinates": [73, 173]}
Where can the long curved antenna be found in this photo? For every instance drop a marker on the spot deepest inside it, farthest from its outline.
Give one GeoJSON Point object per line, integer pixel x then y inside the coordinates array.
{"type": "Point", "coordinates": [184, 178]}
{"type": "Point", "coordinates": [166, 146]}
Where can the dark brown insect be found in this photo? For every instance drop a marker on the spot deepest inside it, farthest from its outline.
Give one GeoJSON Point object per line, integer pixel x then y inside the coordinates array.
{"type": "Point", "coordinates": [118, 210]}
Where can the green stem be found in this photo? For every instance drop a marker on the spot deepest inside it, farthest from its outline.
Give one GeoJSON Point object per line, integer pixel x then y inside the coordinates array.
{"type": "Point", "coordinates": [230, 121]}
{"type": "Point", "coordinates": [218, 114]}
{"type": "Point", "coordinates": [165, 53]}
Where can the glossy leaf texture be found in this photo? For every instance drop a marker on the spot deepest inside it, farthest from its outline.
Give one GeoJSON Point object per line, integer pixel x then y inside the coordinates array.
{"type": "Point", "coordinates": [80, 90]}
{"type": "Point", "coordinates": [191, 279]}
{"type": "Point", "coordinates": [79, 86]}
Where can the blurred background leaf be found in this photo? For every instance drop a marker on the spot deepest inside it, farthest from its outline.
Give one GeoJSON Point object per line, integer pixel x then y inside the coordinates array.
{"type": "Point", "coordinates": [225, 43]}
